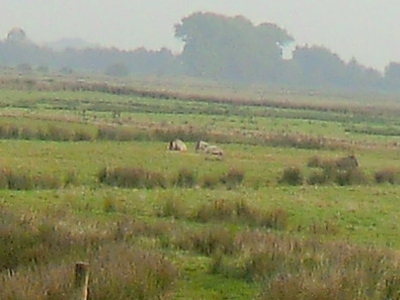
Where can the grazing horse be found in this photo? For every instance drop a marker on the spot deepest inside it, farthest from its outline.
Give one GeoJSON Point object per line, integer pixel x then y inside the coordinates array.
{"type": "Point", "coordinates": [177, 145]}
{"type": "Point", "coordinates": [201, 146]}
{"type": "Point", "coordinates": [215, 151]}
{"type": "Point", "coordinates": [209, 150]}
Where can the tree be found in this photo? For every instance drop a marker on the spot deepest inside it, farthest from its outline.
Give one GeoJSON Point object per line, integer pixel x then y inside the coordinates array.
{"type": "Point", "coordinates": [319, 66]}
{"type": "Point", "coordinates": [230, 48]}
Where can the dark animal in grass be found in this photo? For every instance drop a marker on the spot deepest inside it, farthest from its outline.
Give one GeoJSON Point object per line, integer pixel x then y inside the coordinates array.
{"type": "Point", "coordinates": [347, 163]}
{"type": "Point", "coordinates": [177, 145]}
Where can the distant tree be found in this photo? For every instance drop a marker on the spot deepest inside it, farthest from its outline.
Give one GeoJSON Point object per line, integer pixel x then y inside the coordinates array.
{"type": "Point", "coordinates": [230, 47]}
{"type": "Point", "coordinates": [358, 76]}
{"type": "Point", "coordinates": [117, 70]}
{"type": "Point", "coordinates": [392, 75]}
{"type": "Point", "coordinates": [319, 66]}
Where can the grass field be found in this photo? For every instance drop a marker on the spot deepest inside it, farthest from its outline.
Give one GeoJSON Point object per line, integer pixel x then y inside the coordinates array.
{"type": "Point", "coordinates": [86, 175]}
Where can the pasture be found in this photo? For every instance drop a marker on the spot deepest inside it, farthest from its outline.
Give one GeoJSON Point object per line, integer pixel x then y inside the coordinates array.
{"type": "Point", "coordinates": [85, 174]}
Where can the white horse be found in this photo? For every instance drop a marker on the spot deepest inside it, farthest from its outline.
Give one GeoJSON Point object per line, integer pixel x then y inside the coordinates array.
{"type": "Point", "coordinates": [177, 145]}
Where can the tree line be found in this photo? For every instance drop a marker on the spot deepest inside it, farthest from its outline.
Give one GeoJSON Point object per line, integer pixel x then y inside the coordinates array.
{"type": "Point", "coordinates": [217, 47]}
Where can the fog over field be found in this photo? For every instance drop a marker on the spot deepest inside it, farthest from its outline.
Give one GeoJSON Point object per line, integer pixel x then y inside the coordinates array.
{"type": "Point", "coordinates": [366, 30]}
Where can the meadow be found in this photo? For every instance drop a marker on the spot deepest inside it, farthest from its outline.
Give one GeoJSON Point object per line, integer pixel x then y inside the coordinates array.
{"type": "Point", "coordinates": [85, 175]}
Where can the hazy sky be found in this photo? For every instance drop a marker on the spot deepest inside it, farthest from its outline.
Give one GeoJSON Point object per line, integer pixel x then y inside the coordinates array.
{"type": "Point", "coordinates": [368, 30]}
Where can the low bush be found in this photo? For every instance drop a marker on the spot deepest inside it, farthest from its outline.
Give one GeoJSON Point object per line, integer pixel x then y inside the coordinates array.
{"type": "Point", "coordinates": [131, 178]}
{"type": "Point", "coordinates": [292, 176]}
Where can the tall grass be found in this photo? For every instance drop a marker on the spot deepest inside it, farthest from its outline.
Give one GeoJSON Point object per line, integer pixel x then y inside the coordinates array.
{"type": "Point", "coordinates": [223, 210]}
{"type": "Point", "coordinates": [185, 178]}
{"type": "Point", "coordinates": [116, 272]}
{"type": "Point", "coordinates": [388, 175]}
{"type": "Point", "coordinates": [292, 268]}
{"type": "Point", "coordinates": [51, 132]}
{"type": "Point", "coordinates": [233, 178]}
{"type": "Point", "coordinates": [20, 180]}
{"type": "Point", "coordinates": [342, 171]}
{"type": "Point", "coordinates": [131, 178]}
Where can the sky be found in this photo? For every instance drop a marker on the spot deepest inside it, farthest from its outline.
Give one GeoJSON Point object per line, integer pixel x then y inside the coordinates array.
{"type": "Point", "coordinates": [368, 30]}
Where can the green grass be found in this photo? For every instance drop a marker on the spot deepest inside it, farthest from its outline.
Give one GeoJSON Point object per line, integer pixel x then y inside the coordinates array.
{"type": "Point", "coordinates": [182, 219]}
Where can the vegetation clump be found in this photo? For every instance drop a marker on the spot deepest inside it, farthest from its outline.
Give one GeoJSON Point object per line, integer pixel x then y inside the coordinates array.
{"type": "Point", "coordinates": [128, 177]}
{"type": "Point", "coordinates": [186, 178]}
{"type": "Point", "coordinates": [342, 171]}
{"type": "Point", "coordinates": [20, 180]}
{"type": "Point", "coordinates": [292, 176]}
{"type": "Point", "coordinates": [388, 175]}
{"type": "Point", "coordinates": [233, 178]}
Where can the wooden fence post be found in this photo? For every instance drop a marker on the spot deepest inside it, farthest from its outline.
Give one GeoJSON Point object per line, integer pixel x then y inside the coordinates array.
{"type": "Point", "coordinates": [81, 281]}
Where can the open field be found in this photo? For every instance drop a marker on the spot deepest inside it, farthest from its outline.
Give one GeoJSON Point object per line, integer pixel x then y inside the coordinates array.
{"type": "Point", "coordinates": [85, 174]}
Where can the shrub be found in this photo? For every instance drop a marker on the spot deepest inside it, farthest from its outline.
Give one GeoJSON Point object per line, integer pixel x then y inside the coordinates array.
{"type": "Point", "coordinates": [292, 176]}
